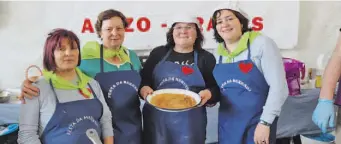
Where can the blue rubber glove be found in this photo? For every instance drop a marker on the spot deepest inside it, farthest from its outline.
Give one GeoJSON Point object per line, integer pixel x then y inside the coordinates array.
{"type": "Point", "coordinates": [324, 115]}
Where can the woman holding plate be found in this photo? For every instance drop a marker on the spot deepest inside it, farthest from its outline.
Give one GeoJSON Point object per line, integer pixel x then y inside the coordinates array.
{"type": "Point", "coordinates": [181, 64]}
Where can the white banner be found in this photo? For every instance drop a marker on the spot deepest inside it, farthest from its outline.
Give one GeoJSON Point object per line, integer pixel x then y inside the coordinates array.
{"type": "Point", "coordinates": [24, 25]}
{"type": "Point", "coordinates": [278, 20]}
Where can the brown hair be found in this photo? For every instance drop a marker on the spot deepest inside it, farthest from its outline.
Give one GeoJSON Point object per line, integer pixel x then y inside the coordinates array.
{"type": "Point", "coordinates": [108, 14]}
{"type": "Point", "coordinates": [52, 42]}
{"type": "Point", "coordinates": [243, 20]}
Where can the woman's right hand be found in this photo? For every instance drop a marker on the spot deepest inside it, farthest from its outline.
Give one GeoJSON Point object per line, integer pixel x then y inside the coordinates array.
{"type": "Point", "coordinates": [145, 91]}
{"type": "Point", "coordinates": [28, 90]}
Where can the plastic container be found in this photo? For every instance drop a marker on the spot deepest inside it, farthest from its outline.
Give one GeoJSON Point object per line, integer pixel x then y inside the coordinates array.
{"type": "Point", "coordinates": [295, 71]}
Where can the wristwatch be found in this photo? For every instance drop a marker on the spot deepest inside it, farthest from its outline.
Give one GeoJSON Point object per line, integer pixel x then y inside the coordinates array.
{"type": "Point", "coordinates": [340, 29]}
{"type": "Point", "coordinates": [264, 123]}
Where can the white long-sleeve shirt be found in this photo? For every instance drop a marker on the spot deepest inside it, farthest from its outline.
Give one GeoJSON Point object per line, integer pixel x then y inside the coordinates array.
{"type": "Point", "coordinates": [266, 55]}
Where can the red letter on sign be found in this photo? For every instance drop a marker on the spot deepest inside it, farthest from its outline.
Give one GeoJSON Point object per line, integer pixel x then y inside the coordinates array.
{"type": "Point", "coordinates": [87, 26]}
{"type": "Point", "coordinates": [130, 21]}
{"type": "Point", "coordinates": [146, 22]}
{"type": "Point", "coordinates": [201, 21]}
{"type": "Point", "coordinates": [258, 23]}
{"type": "Point", "coordinates": [209, 26]}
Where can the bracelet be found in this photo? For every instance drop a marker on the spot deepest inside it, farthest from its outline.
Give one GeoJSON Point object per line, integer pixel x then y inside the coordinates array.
{"type": "Point", "coordinates": [32, 66]}
{"type": "Point", "coordinates": [264, 123]}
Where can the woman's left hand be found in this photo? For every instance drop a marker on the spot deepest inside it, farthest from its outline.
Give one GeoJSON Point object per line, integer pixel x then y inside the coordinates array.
{"type": "Point", "coordinates": [262, 133]}
{"type": "Point", "coordinates": [205, 96]}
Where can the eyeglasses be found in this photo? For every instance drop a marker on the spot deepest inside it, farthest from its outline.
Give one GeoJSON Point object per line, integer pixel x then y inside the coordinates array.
{"type": "Point", "coordinates": [108, 30]}
{"type": "Point", "coordinates": [184, 27]}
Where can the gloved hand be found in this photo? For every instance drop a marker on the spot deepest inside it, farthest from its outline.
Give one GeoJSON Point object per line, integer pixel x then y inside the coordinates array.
{"type": "Point", "coordinates": [324, 114]}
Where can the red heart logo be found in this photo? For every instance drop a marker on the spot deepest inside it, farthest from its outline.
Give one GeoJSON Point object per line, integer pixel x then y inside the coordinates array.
{"type": "Point", "coordinates": [187, 70]}
{"type": "Point", "coordinates": [86, 96]}
{"type": "Point", "coordinates": [245, 67]}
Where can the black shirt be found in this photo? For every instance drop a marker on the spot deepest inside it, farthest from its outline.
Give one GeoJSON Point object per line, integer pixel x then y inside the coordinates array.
{"type": "Point", "coordinates": [206, 64]}
{"type": "Point", "coordinates": [181, 58]}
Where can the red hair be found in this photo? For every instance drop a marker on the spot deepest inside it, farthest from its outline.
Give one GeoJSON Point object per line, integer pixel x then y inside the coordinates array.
{"type": "Point", "coordinates": [53, 41]}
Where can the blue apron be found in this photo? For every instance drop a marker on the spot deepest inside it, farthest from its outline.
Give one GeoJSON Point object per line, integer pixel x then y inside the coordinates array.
{"type": "Point", "coordinates": [244, 92]}
{"type": "Point", "coordinates": [188, 127]}
{"type": "Point", "coordinates": [71, 120]}
{"type": "Point", "coordinates": [120, 92]}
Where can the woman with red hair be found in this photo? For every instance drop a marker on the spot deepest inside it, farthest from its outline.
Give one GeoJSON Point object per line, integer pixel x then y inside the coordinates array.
{"type": "Point", "coordinates": [70, 105]}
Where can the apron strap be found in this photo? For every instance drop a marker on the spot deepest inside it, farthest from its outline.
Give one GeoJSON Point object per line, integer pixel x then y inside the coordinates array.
{"type": "Point", "coordinates": [248, 49]}
{"type": "Point", "coordinates": [101, 58]}
{"type": "Point", "coordinates": [54, 92]}
{"type": "Point", "coordinates": [195, 57]}
{"type": "Point", "coordinates": [167, 55]}
{"type": "Point", "coordinates": [248, 52]}
{"type": "Point", "coordinates": [131, 65]}
{"type": "Point", "coordinates": [93, 92]}
{"type": "Point", "coordinates": [101, 63]}
{"type": "Point", "coordinates": [220, 59]}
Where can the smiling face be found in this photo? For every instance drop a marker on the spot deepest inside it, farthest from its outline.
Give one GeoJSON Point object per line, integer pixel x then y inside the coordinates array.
{"type": "Point", "coordinates": [184, 34]}
{"type": "Point", "coordinates": [228, 26]}
{"type": "Point", "coordinates": [112, 32]}
{"type": "Point", "coordinates": [66, 55]}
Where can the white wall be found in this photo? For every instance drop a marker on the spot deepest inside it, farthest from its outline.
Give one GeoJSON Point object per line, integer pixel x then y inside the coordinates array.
{"type": "Point", "coordinates": [318, 30]}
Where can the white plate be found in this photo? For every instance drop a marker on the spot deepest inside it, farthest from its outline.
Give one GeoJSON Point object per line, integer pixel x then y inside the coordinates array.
{"type": "Point", "coordinates": [194, 95]}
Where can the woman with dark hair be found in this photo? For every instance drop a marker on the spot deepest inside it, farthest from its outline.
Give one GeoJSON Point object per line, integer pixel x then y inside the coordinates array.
{"type": "Point", "coordinates": [116, 68]}
{"type": "Point", "coordinates": [70, 104]}
{"type": "Point", "coordinates": [251, 77]}
{"type": "Point", "coordinates": [182, 59]}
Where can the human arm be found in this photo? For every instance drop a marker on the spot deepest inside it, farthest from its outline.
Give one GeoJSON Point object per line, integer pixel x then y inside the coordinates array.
{"type": "Point", "coordinates": [271, 65]}
{"type": "Point", "coordinates": [147, 71]}
{"type": "Point", "coordinates": [324, 113]}
{"type": "Point", "coordinates": [274, 74]}
{"type": "Point", "coordinates": [29, 121]}
{"type": "Point", "coordinates": [207, 65]}
{"type": "Point", "coordinates": [105, 121]}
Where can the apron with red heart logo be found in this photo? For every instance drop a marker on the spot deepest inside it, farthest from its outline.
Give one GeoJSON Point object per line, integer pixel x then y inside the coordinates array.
{"type": "Point", "coordinates": [188, 127]}
{"type": "Point", "coordinates": [244, 92]}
